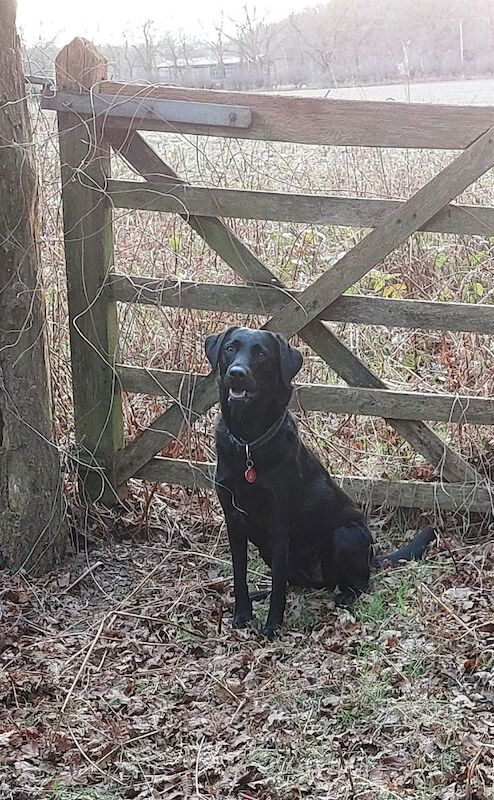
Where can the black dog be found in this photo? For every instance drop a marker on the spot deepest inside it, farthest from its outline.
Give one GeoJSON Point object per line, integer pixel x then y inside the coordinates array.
{"type": "Point", "coordinates": [274, 491]}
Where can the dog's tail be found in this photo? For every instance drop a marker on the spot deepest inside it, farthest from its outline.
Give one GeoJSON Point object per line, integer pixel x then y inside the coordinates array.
{"type": "Point", "coordinates": [413, 551]}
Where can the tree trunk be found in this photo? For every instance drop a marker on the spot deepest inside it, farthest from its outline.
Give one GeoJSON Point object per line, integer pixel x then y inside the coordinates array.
{"type": "Point", "coordinates": [32, 507]}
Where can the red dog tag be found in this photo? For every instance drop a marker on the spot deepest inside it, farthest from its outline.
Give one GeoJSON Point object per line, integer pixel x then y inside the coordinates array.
{"type": "Point", "coordinates": [250, 475]}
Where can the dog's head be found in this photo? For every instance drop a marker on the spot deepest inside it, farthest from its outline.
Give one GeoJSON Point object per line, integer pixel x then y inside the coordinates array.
{"type": "Point", "coordinates": [252, 365]}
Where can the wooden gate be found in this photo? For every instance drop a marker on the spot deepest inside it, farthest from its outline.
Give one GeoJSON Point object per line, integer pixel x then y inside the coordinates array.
{"type": "Point", "coordinates": [95, 114]}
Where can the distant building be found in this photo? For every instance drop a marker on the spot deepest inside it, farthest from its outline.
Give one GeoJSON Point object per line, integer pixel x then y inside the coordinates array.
{"type": "Point", "coordinates": [231, 72]}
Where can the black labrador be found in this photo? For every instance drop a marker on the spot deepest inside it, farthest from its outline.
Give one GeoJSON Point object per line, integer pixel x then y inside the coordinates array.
{"type": "Point", "coordinates": [274, 491]}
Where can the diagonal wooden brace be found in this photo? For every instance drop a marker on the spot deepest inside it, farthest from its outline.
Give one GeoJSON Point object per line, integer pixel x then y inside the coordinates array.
{"type": "Point", "coordinates": [379, 243]}
{"type": "Point", "coordinates": [221, 239]}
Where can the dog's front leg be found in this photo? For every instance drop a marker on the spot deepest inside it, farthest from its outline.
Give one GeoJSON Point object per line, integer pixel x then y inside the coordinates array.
{"type": "Point", "coordinates": [238, 545]}
{"type": "Point", "coordinates": [279, 572]}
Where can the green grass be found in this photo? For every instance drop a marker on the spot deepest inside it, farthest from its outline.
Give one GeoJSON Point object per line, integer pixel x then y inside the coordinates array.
{"type": "Point", "coordinates": [418, 666]}
{"type": "Point", "coordinates": [364, 702]}
{"type": "Point", "coordinates": [362, 650]}
{"type": "Point", "coordinates": [394, 593]}
{"type": "Point", "coordinates": [374, 608]}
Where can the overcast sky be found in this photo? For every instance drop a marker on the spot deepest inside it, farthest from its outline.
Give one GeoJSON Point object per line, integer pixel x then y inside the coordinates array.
{"type": "Point", "coordinates": [104, 21]}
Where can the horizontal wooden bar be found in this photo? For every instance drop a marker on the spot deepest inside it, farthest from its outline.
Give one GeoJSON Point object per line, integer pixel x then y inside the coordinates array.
{"type": "Point", "coordinates": [140, 110]}
{"type": "Point", "coordinates": [266, 300]}
{"type": "Point", "coordinates": [318, 120]}
{"type": "Point", "coordinates": [460, 497]}
{"type": "Point", "coordinates": [137, 152]}
{"type": "Point", "coordinates": [336, 399]}
{"type": "Point", "coordinates": [172, 197]}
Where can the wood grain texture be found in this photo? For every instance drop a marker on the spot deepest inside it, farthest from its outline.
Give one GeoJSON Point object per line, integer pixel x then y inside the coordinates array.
{"type": "Point", "coordinates": [141, 156]}
{"type": "Point", "coordinates": [459, 497]}
{"type": "Point", "coordinates": [267, 300]}
{"type": "Point", "coordinates": [175, 197]}
{"type": "Point", "coordinates": [314, 120]}
{"type": "Point", "coordinates": [33, 525]}
{"type": "Point", "coordinates": [336, 399]}
{"type": "Point", "coordinates": [88, 236]}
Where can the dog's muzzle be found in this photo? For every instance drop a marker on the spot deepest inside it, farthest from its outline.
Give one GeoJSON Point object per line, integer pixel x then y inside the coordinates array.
{"type": "Point", "coordinates": [239, 385]}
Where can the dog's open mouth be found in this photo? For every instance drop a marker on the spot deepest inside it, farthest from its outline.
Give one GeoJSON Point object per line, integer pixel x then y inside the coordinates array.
{"type": "Point", "coordinates": [239, 395]}
{"type": "Point", "coordinates": [235, 395]}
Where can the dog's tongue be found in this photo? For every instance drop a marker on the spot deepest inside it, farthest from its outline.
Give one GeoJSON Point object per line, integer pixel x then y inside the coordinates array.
{"type": "Point", "coordinates": [237, 395]}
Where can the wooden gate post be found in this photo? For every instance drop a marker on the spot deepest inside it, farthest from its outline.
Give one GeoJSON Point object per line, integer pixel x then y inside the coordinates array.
{"type": "Point", "coordinates": [87, 216]}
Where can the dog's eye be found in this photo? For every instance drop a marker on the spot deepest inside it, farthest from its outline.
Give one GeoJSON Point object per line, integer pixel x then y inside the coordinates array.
{"type": "Point", "coordinates": [261, 354]}
{"type": "Point", "coordinates": [229, 349]}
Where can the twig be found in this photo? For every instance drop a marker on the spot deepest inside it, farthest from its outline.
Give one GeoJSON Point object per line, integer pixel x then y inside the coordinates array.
{"type": "Point", "coordinates": [198, 793]}
{"type": "Point", "coordinates": [103, 659]}
{"type": "Point", "coordinates": [224, 686]}
{"type": "Point", "coordinates": [448, 609]}
{"type": "Point", "coordinates": [471, 772]}
{"type": "Point", "coordinates": [346, 770]}
{"type": "Point", "coordinates": [85, 660]}
{"type": "Point", "coordinates": [81, 577]}
{"type": "Point", "coordinates": [238, 709]}
{"type": "Point", "coordinates": [120, 746]}
{"type": "Point", "coordinates": [101, 627]}
{"type": "Point", "coordinates": [444, 540]}
{"type": "Point", "coordinates": [162, 622]}
{"type": "Point", "coordinates": [90, 760]}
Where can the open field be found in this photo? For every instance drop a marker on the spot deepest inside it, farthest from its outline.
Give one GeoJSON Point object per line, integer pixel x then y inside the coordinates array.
{"type": "Point", "coordinates": [477, 92]}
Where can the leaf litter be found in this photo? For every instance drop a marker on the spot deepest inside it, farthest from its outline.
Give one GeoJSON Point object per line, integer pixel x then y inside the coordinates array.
{"type": "Point", "coordinates": [121, 677]}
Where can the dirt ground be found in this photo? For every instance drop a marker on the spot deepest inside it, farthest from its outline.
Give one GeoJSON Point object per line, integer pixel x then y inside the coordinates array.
{"type": "Point", "coordinates": [121, 676]}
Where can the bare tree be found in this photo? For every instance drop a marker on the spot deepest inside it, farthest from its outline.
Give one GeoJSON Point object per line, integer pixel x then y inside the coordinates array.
{"type": "Point", "coordinates": [218, 45]}
{"type": "Point", "coordinates": [127, 57]}
{"type": "Point", "coordinates": [32, 522]}
{"type": "Point", "coordinates": [147, 50]}
{"type": "Point", "coordinates": [185, 47]}
{"type": "Point", "coordinates": [177, 50]}
{"type": "Point", "coordinates": [40, 58]}
{"type": "Point", "coordinates": [171, 49]}
{"type": "Point", "coordinates": [122, 59]}
{"type": "Point", "coordinates": [254, 40]}
{"type": "Point", "coordinates": [318, 40]}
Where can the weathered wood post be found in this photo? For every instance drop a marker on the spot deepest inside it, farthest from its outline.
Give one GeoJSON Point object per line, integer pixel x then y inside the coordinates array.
{"type": "Point", "coordinates": [33, 526]}
{"type": "Point", "coordinates": [87, 216]}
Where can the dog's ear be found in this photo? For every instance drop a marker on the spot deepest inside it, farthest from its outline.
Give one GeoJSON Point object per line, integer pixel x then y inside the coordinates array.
{"type": "Point", "coordinates": [290, 359]}
{"type": "Point", "coordinates": [212, 346]}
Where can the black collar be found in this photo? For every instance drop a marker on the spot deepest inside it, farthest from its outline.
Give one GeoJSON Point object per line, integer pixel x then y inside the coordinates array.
{"type": "Point", "coordinates": [266, 437]}
{"type": "Point", "coordinates": [250, 473]}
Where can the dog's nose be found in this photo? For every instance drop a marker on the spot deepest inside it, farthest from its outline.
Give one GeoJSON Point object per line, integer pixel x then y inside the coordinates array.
{"type": "Point", "coordinates": [238, 373]}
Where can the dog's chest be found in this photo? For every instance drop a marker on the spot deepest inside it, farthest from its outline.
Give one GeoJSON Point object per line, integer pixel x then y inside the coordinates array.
{"type": "Point", "coordinates": [255, 498]}
{"type": "Point", "coordinates": [260, 481]}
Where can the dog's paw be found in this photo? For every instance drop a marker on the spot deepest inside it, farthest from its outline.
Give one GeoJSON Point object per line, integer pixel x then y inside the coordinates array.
{"type": "Point", "coordinates": [271, 631]}
{"type": "Point", "coordinates": [345, 599]}
{"type": "Point", "coordinates": [242, 620]}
